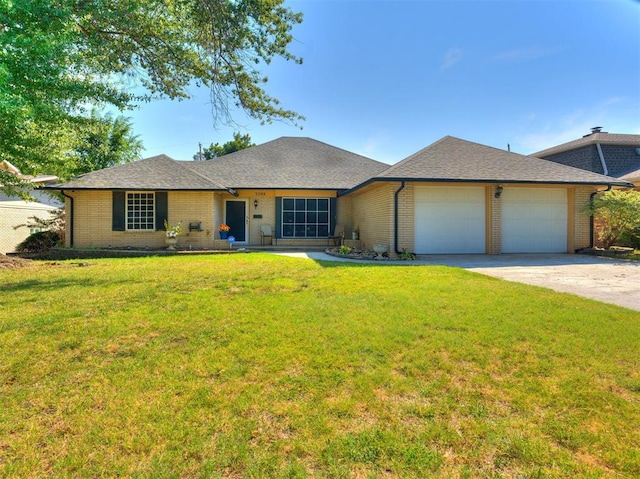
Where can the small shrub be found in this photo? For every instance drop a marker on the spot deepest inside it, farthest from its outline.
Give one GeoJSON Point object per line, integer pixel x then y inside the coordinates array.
{"type": "Point", "coordinates": [345, 249]}
{"type": "Point", "coordinates": [40, 242]}
{"type": "Point", "coordinates": [619, 214]}
{"type": "Point", "coordinates": [630, 238]}
{"type": "Point", "coordinates": [407, 255]}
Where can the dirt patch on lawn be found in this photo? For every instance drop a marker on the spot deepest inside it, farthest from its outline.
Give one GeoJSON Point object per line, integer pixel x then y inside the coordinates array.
{"type": "Point", "coordinates": [8, 262]}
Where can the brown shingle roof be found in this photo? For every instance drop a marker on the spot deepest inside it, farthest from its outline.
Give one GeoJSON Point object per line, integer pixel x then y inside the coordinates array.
{"type": "Point", "coordinates": [156, 173]}
{"type": "Point", "coordinates": [291, 162]}
{"type": "Point", "coordinates": [285, 163]}
{"type": "Point", "coordinates": [453, 159]}
{"type": "Point", "coordinates": [303, 163]}
{"type": "Point", "coordinates": [602, 137]}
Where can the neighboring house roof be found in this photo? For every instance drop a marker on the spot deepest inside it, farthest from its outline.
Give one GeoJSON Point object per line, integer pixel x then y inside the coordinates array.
{"type": "Point", "coordinates": [40, 179]}
{"type": "Point", "coordinates": [615, 155]}
{"type": "Point", "coordinates": [601, 137]}
{"type": "Point", "coordinates": [6, 166]}
{"type": "Point", "coordinates": [291, 162]}
{"type": "Point", "coordinates": [453, 159]}
{"type": "Point", "coordinates": [285, 163]}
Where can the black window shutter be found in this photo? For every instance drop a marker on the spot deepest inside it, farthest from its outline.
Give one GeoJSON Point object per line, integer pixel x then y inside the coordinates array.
{"type": "Point", "coordinates": [118, 211]}
{"type": "Point", "coordinates": [278, 217]}
{"type": "Point", "coordinates": [333, 215]}
{"type": "Point", "coordinates": [162, 209]}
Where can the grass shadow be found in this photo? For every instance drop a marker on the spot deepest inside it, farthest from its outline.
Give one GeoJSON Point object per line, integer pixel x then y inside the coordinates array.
{"type": "Point", "coordinates": [53, 284]}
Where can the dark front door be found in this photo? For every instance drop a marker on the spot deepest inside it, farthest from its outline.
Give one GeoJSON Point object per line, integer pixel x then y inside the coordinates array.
{"type": "Point", "coordinates": [236, 218]}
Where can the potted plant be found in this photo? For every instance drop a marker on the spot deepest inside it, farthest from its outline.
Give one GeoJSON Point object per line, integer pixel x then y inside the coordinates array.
{"type": "Point", "coordinates": [171, 234]}
{"type": "Point", "coordinates": [224, 230]}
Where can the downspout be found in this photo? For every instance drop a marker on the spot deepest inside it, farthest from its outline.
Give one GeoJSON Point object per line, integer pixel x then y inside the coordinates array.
{"type": "Point", "coordinates": [70, 216]}
{"type": "Point", "coordinates": [605, 170]}
{"type": "Point", "coordinates": [591, 222]}
{"type": "Point", "coordinates": [395, 217]}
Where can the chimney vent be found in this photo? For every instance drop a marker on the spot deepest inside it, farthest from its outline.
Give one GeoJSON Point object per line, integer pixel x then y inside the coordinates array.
{"type": "Point", "coordinates": [596, 129]}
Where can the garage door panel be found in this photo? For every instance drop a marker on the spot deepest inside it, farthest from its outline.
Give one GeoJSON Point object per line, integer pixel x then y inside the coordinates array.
{"type": "Point", "coordinates": [534, 220]}
{"type": "Point", "coordinates": [449, 220]}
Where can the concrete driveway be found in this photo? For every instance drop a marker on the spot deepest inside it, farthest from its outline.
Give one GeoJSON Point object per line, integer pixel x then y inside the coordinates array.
{"type": "Point", "coordinates": [604, 279]}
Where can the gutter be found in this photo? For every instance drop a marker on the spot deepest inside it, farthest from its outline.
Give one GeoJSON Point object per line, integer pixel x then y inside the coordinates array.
{"type": "Point", "coordinates": [605, 170]}
{"type": "Point", "coordinates": [70, 216]}
{"type": "Point", "coordinates": [591, 219]}
{"type": "Point", "coordinates": [624, 184]}
{"type": "Point", "coordinates": [395, 217]}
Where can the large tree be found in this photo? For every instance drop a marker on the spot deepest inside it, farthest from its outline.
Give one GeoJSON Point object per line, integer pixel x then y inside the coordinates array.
{"type": "Point", "coordinates": [61, 58]}
{"type": "Point", "coordinates": [239, 142]}
{"type": "Point", "coordinates": [107, 142]}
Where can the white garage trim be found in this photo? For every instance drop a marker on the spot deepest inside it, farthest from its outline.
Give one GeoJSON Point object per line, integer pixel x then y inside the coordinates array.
{"type": "Point", "coordinates": [450, 220]}
{"type": "Point", "coordinates": [534, 220]}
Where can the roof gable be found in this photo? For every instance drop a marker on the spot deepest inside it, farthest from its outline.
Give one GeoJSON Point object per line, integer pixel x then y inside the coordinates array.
{"type": "Point", "coordinates": [291, 162]}
{"type": "Point", "coordinates": [453, 159]}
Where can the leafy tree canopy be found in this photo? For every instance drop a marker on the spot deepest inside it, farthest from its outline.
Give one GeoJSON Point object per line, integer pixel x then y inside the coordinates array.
{"type": "Point", "coordinates": [239, 142]}
{"type": "Point", "coordinates": [106, 142]}
{"type": "Point", "coordinates": [59, 59]}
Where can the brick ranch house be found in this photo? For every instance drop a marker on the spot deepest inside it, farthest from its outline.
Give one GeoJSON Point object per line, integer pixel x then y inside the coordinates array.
{"type": "Point", "coordinates": [452, 197]}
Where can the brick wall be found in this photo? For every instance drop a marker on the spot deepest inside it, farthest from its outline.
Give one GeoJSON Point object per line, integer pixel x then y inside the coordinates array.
{"type": "Point", "coordinates": [266, 208]}
{"type": "Point", "coordinates": [344, 217]}
{"type": "Point", "coordinates": [93, 218]}
{"type": "Point", "coordinates": [92, 212]}
{"type": "Point", "coordinates": [373, 215]}
{"type": "Point", "coordinates": [370, 210]}
{"type": "Point", "coordinates": [191, 207]}
{"type": "Point", "coordinates": [495, 213]}
{"type": "Point", "coordinates": [582, 220]}
{"type": "Point", "coordinates": [406, 217]}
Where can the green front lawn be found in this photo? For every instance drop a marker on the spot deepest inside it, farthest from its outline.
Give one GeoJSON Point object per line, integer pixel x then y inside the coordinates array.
{"type": "Point", "coordinates": [270, 367]}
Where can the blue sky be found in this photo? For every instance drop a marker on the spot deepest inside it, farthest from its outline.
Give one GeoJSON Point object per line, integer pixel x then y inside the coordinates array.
{"type": "Point", "coordinates": [387, 78]}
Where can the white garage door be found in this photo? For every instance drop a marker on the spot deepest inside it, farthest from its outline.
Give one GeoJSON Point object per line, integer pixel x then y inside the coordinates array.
{"type": "Point", "coordinates": [534, 220]}
{"type": "Point", "coordinates": [449, 220]}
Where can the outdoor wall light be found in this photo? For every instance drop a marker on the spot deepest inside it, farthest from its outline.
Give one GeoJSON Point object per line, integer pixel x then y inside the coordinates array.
{"type": "Point", "coordinates": [255, 204]}
{"type": "Point", "coordinates": [499, 191]}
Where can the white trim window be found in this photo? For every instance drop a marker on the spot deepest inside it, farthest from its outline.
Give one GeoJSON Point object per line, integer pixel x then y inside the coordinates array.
{"type": "Point", "coordinates": [305, 217]}
{"type": "Point", "coordinates": [140, 211]}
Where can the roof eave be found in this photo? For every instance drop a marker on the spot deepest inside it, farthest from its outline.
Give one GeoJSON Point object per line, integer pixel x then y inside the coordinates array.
{"type": "Point", "coordinates": [130, 188]}
{"type": "Point", "coordinates": [623, 184]}
{"type": "Point", "coordinates": [232, 190]}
